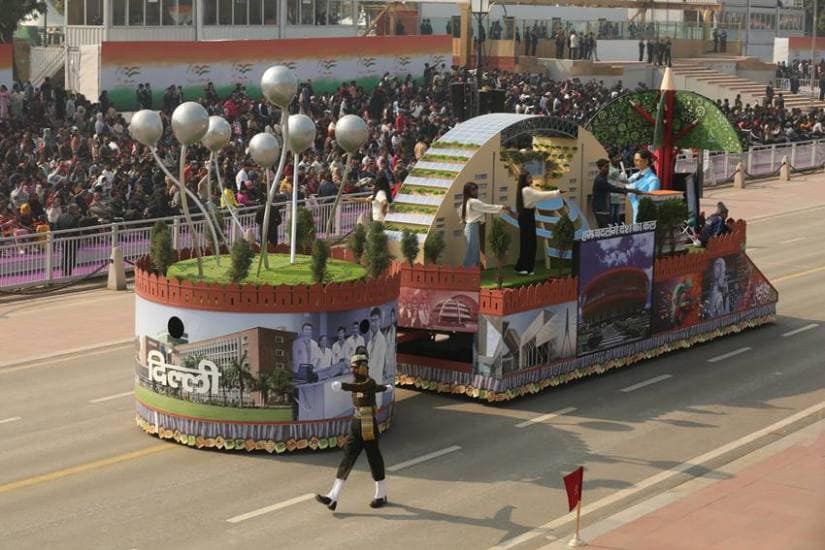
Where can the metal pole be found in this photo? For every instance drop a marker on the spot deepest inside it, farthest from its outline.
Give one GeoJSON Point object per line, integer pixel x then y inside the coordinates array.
{"type": "Point", "coordinates": [747, 27]}
{"type": "Point", "coordinates": [478, 44]}
{"type": "Point", "coordinates": [813, 48]}
{"type": "Point", "coordinates": [293, 237]}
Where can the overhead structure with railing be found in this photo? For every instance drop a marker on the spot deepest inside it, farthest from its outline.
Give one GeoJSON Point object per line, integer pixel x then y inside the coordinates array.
{"type": "Point", "coordinates": [473, 12]}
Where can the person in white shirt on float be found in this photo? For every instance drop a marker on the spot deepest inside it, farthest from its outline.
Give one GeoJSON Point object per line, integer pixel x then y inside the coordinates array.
{"type": "Point", "coordinates": [527, 197]}
{"type": "Point", "coordinates": [472, 214]}
{"type": "Point", "coordinates": [380, 199]}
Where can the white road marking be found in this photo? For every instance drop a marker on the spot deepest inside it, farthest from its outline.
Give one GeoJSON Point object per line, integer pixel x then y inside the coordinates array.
{"type": "Point", "coordinates": [308, 496]}
{"type": "Point", "coordinates": [800, 329]}
{"type": "Point", "coordinates": [110, 397]}
{"type": "Point", "coordinates": [51, 359]}
{"type": "Point", "coordinates": [545, 417]}
{"type": "Point", "coordinates": [12, 419]}
{"type": "Point", "coordinates": [648, 382]}
{"type": "Point", "coordinates": [796, 240]}
{"type": "Point", "coordinates": [728, 355]}
{"type": "Point", "coordinates": [660, 477]}
{"type": "Point", "coordinates": [423, 458]}
{"type": "Point", "coordinates": [272, 508]}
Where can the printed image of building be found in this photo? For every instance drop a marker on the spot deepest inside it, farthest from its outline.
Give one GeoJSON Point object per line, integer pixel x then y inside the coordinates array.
{"type": "Point", "coordinates": [264, 350]}
{"type": "Point", "coordinates": [614, 294]}
{"type": "Point", "coordinates": [457, 311]}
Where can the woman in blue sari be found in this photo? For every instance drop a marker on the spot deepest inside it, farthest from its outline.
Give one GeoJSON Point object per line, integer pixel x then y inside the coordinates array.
{"type": "Point", "coordinates": [644, 180]}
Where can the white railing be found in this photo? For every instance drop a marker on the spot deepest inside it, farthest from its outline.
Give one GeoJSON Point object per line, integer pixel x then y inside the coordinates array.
{"type": "Point", "coordinates": [764, 161]}
{"type": "Point", "coordinates": [75, 254]}
{"type": "Point", "coordinates": [84, 35]}
{"type": "Point", "coordinates": [45, 62]}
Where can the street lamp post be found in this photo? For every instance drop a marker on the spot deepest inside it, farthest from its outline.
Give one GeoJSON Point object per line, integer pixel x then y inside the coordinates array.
{"type": "Point", "coordinates": [480, 9]}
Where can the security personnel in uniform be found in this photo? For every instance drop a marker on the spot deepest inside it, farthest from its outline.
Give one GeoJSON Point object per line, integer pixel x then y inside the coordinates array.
{"type": "Point", "coordinates": [363, 432]}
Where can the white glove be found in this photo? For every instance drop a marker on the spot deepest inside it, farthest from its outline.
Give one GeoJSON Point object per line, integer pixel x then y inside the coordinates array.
{"type": "Point", "coordinates": [336, 386]}
{"type": "Point", "coordinates": [388, 386]}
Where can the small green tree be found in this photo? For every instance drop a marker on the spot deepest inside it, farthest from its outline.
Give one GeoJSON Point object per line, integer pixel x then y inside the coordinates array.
{"type": "Point", "coordinates": [499, 241]}
{"type": "Point", "coordinates": [672, 213]}
{"type": "Point", "coordinates": [242, 255]}
{"type": "Point", "coordinates": [409, 246]}
{"type": "Point", "coordinates": [305, 230]}
{"type": "Point", "coordinates": [563, 236]}
{"type": "Point", "coordinates": [13, 12]}
{"type": "Point", "coordinates": [320, 255]}
{"type": "Point", "coordinates": [357, 242]}
{"type": "Point", "coordinates": [433, 246]}
{"type": "Point", "coordinates": [280, 383]}
{"type": "Point", "coordinates": [237, 375]}
{"type": "Point", "coordinates": [263, 385]}
{"type": "Point", "coordinates": [161, 252]}
{"type": "Point", "coordinates": [377, 253]}
{"type": "Point", "coordinates": [647, 211]}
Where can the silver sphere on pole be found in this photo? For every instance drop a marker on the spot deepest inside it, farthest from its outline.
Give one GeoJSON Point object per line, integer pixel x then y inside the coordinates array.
{"type": "Point", "coordinates": [351, 132]}
{"type": "Point", "coordinates": [217, 135]}
{"type": "Point", "coordinates": [264, 149]}
{"type": "Point", "coordinates": [279, 85]}
{"type": "Point", "coordinates": [301, 132]}
{"type": "Point", "coordinates": [190, 122]}
{"type": "Point", "coordinates": [146, 127]}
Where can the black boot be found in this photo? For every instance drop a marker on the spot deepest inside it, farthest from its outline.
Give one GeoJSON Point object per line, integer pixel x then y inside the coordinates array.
{"type": "Point", "coordinates": [326, 501]}
{"type": "Point", "coordinates": [378, 502]}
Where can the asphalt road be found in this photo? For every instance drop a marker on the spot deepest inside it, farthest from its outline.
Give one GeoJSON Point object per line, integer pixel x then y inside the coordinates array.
{"type": "Point", "coordinates": [75, 471]}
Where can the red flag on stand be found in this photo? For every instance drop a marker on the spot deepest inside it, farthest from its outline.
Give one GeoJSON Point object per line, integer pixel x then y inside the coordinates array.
{"type": "Point", "coordinates": [573, 483]}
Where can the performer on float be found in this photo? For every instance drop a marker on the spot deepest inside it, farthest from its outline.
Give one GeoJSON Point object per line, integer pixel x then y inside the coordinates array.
{"type": "Point", "coordinates": [472, 214]}
{"type": "Point", "coordinates": [644, 180]}
{"type": "Point", "coordinates": [380, 199]}
{"type": "Point", "coordinates": [527, 197]}
{"type": "Point", "coordinates": [363, 432]}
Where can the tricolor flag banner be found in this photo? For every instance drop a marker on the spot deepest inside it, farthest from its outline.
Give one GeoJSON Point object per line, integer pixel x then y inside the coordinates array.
{"type": "Point", "coordinates": [573, 483]}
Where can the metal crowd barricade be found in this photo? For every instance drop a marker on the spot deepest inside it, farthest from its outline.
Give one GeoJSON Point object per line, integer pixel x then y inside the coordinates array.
{"type": "Point", "coordinates": [763, 161]}
{"type": "Point", "coordinates": [76, 254]}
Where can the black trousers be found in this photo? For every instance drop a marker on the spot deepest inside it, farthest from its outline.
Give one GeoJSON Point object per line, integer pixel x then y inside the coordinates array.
{"type": "Point", "coordinates": [603, 219]}
{"type": "Point", "coordinates": [353, 447]}
{"type": "Point", "coordinates": [527, 240]}
{"type": "Point", "coordinates": [69, 257]}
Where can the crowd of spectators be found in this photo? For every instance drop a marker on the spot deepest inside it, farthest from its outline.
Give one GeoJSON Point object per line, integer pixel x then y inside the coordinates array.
{"type": "Point", "coordinates": [67, 162]}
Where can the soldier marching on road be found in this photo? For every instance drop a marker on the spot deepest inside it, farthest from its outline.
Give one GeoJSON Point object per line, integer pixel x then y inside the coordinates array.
{"type": "Point", "coordinates": [363, 432]}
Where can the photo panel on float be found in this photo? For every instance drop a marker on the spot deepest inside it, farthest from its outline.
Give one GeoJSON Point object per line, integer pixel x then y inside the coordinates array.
{"type": "Point", "coordinates": [285, 361]}
{"type": "Point", "coordinates": [615, 273]}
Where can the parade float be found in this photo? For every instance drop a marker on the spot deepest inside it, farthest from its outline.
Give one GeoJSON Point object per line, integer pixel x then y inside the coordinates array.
{"type": "Point", "coordinates": [600, 299]}
{"type": "Point", "coordinates": [242, 358]}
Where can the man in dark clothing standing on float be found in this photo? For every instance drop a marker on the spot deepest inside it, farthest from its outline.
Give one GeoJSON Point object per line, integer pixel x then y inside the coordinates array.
{"type": "Point", "coordinates": [363, 432]}
{"type": "Point", "coordinates": [601, 194]}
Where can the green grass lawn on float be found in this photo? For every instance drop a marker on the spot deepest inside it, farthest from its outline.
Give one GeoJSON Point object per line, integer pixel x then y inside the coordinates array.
{"type": "Point", "coordinates": [280, 271]}
{"type": "Point", "coordinates": [514, 280]}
